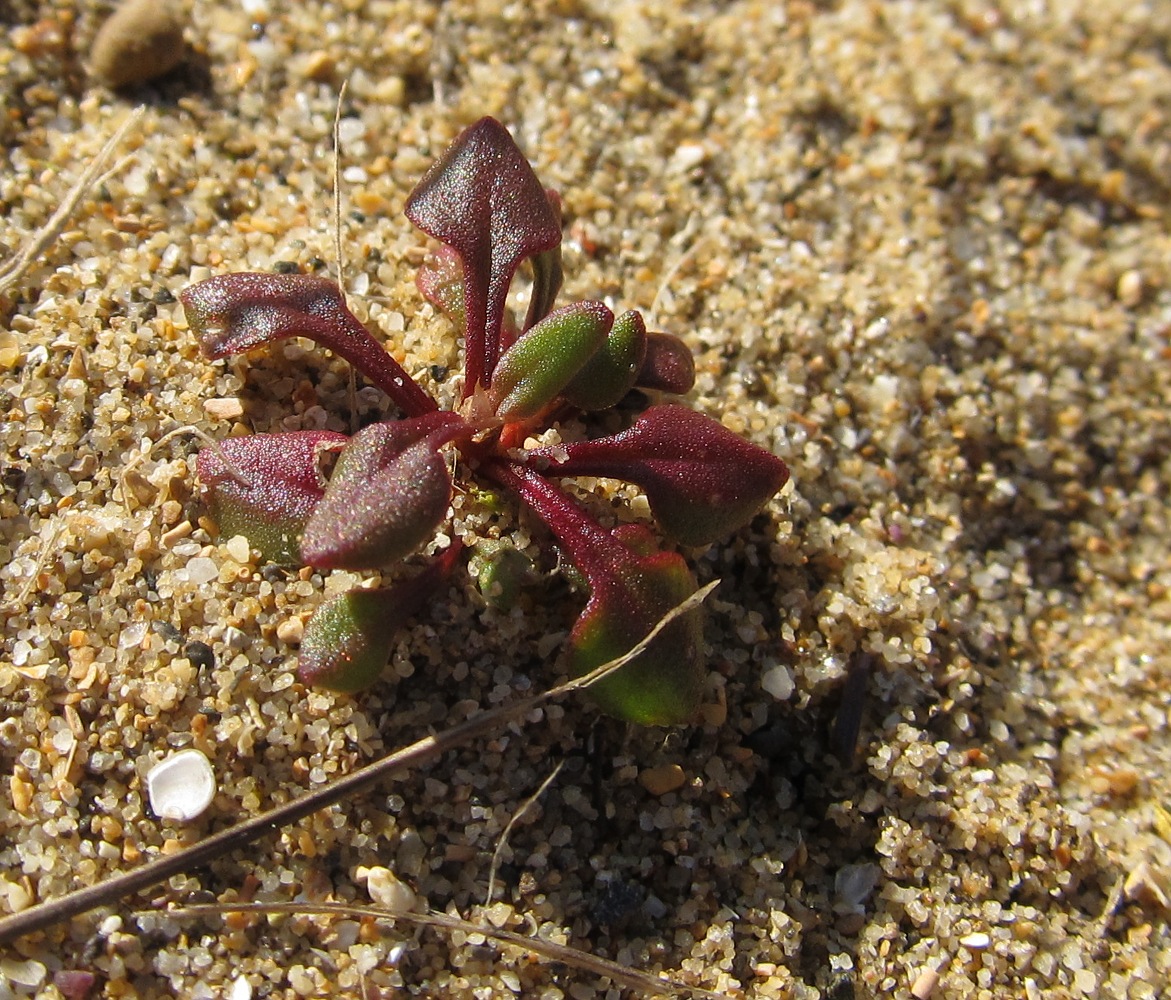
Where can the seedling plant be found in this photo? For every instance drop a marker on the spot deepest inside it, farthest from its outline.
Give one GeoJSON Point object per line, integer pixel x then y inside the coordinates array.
{"type": "Point", "coordinates": [391, 483]}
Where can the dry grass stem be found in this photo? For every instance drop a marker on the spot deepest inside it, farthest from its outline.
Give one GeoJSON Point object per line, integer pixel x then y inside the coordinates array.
{"type": "Point", "coordinates": [244, 833]}
{"type": "Point", "coordinates": [48, 545]}
{"type": "Point", "coordinates": [516, 817]}
{"type": "Point", "coordinates": [16, 268]}
{"type": "Point", "coordinates": [210, 442]}
{"type": "Point", "coordinates": [622, 975]}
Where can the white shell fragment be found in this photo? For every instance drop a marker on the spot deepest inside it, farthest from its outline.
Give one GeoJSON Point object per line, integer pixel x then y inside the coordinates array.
{"type": "Point", "coordinates": [181, 787]}
{"type": "Point", "coordinates": [387, 890]}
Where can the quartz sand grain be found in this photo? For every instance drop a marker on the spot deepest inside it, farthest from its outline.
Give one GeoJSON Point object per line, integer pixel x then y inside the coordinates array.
{"type": "Point", "coordinates": [919, 250]}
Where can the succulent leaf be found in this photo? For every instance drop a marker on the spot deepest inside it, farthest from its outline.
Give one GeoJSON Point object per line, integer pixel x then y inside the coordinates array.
{"type": "Point", "coordinates": [547, 273]}
{"type": "Point", "coordinates": [542, 362]}
{"type": "Point", "coordinates": [347, 641]}
{"type": "Point", "coordinates": [388, 494]}
{"type": "Point", "coordinates": [483, 200]}
{"type": "Point", "coordinates": [667, 366]}
{"type": "Point", "coordinates": [632, 586]}
{"type": "Point", "coordinates": [664, 684]}
{"type": "Point", "coordinates": [500, 569]}
{"type": "Point", "coordinates": [232, 313]}
{"type": "Point", "coordinates": [702, 480]}
{"type": "Point", "coordinates": [266, 486]}
{"type": "Point", "coordinates": [610, 373]}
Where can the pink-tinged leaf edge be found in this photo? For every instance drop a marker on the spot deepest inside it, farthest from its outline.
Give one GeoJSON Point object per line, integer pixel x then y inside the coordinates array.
{"type": "Point", "coordinates": [483, 200]}
{"type": "Point", "coordinates": [266, 486]}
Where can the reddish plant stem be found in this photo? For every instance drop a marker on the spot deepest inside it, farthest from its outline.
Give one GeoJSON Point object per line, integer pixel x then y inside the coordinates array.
{"type": "Point", "coordinates": [366, 355]}
{"type": "Point", "coordinates": [591, 548]}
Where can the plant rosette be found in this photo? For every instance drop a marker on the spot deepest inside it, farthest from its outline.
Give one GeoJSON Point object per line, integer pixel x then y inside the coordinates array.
{"type": "Point", "coordinates": [391, 485]}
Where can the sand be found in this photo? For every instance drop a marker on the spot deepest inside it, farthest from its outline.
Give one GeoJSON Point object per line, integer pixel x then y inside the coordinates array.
{"type": "Point", "coordinates": [919, 250]}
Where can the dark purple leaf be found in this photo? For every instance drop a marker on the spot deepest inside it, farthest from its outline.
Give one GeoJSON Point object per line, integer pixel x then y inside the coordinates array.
{"type": "Point", "coordinates": [388, 494]}
{"type": "Point", "coordinates": [232, 313]}
{"type": "Point", "coordinates": [667, 366]}
{"type": "Point", "coordinates": [702, 480]}
{"type": "Point", "coordinates": [265, 487]}
{"type": "Point", "coordinates": [483, 200]}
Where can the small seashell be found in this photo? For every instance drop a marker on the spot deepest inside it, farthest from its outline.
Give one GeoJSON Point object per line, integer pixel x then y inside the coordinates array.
{"type": "Point", "coordinates": [181, 787]}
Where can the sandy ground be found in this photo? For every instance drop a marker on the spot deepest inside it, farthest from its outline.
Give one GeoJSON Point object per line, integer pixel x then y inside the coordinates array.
{"type": "Point", "coordinates": [920, 251]}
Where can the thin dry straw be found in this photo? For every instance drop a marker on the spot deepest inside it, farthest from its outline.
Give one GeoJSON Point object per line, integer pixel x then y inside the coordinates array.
{"type": "Point", "coordinates": [242, 834]}
{"type": "Point", "coordinates": [15, 268]}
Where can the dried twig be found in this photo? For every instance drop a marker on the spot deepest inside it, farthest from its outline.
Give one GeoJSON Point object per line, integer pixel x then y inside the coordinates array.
{"type": "Point", "coordinates": [652, 314]}
{"type": "Point", "coordinates": [244, 833]}
{"type": "Point", "coordinates": [48, 547]}
{"type": "Point", "coordinates": [15, 269]}
{"type": "Point", "coordinates": [516, 816]}
{"type": "Point", "coordinates": [339, 261]}
{"type": "Point", "coordinates": [622, 975]}
{"type": "Point", "coordinates": [232, 469]}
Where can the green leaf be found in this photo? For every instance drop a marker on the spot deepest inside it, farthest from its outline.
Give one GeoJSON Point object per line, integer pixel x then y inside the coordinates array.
{"type": "Point", "coordinates": [610, 374]}
{"type": "Point", "coordinates": [663, 685]}
{"type": "Point", "coordinates": [347, 641]}
{"type": "Point", "coordinates": [500, 570]}
{"type": "Point", "coordinates": [632, 587]}
{"type": "Point", "coordinates": [544, 359]}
